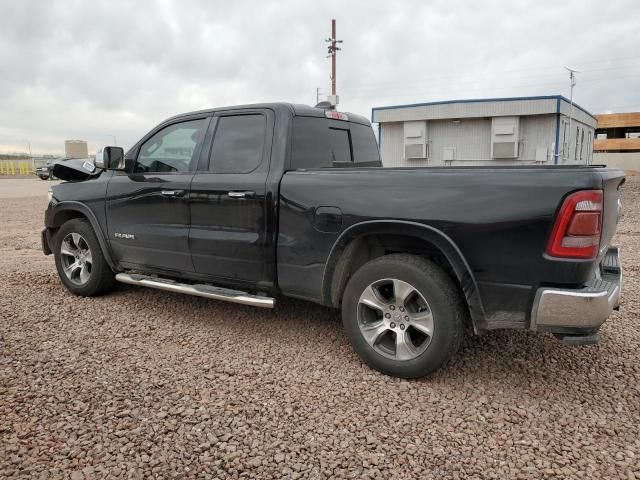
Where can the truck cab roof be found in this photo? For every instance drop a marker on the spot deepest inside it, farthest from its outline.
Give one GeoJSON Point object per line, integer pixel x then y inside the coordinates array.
{"type": "Point", "coordinates": [297, 109]}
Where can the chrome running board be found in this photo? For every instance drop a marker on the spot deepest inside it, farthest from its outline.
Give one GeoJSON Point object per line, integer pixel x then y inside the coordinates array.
{"type": "Point", "coordinates": [199, 290]}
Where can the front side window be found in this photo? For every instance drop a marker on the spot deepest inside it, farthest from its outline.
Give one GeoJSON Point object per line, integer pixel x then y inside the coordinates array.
{"type": "Point", "coordinates": [238, 145]}
{"type": "Point", "coordinates": [171, 149]}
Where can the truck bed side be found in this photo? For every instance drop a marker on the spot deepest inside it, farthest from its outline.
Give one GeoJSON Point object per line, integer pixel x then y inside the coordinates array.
{"type": "Point", "coordinates": [498, 218]}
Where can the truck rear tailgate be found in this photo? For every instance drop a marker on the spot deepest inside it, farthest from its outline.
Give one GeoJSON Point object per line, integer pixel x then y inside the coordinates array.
{"type": "Point", "coordinates": [611, 182]}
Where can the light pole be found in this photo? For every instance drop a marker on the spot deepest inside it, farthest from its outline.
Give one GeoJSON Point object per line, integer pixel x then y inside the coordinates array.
{"type": "Point", "coordinates": [33, 167]}
{"type": "Point", "coordinates": [572, 79]}
{"type": "Point", "coordinates": [333, 51]}
{"type": "Point", "coordinates": [114, 140]}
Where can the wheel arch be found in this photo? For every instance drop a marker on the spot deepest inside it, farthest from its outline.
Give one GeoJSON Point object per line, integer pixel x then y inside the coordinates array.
{"type": "Point", "coordinates": [359, 243]}
{"type": "Point", "coordinates": [68, 210]}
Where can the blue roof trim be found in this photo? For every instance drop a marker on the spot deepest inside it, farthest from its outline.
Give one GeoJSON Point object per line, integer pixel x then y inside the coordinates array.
{"type": "Point", "coordinates": [483, 100]}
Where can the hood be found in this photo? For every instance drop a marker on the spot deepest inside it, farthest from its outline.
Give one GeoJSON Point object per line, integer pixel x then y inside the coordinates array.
{"type": "Point", "coordinates": [76, 170]}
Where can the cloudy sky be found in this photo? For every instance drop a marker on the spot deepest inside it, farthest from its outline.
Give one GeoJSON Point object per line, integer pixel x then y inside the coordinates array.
{"type": "Point", "coordinates": [103, 68]}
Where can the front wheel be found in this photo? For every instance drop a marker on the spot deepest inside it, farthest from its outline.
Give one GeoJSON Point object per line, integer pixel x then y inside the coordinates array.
{"type": "Point", "coordinates": [79, 260]}
{"type": "Point", "coordinates": [403, 315]}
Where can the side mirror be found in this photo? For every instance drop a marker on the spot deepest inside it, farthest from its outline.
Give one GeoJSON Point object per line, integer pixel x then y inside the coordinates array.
{"type": "Point", "coordinates": [112, 158]}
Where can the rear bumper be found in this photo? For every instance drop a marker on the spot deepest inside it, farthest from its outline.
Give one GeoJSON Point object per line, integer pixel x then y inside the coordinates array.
{"type": "Point", "coordinates": [583, 310]}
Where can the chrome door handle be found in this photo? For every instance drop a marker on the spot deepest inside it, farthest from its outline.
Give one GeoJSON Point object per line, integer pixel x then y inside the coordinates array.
{"type": "Point", "coordinates": [245, 194]}
{"type": "Point", "coordinates": [172, 193]}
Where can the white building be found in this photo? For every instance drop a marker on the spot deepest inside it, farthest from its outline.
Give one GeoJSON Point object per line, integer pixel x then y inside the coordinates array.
{"type": "Point", "coordinates": [617, 142]}
{"type": "Point", "coordinates": [489, 131]}
{"type": "Point", "coordinates": [76, 149]}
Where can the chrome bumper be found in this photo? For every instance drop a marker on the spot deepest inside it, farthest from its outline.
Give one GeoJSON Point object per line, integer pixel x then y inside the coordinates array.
{"type": "Point", "coordinates": [582, 309]}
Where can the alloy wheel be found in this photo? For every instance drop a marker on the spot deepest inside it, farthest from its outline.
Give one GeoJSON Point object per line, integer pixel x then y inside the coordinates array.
{"type": "Point", "coordinates": [76, 258]}
{"type": "Point", "coordinates": [395, 319]}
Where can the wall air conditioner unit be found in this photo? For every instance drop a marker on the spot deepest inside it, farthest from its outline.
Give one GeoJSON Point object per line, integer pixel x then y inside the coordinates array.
{"type": "Point", "coordinates": [416, 151]}
{"type": "Point", "coordinates": [505, 137]}
{"type": "Point", "coordinates": [542, 154]}
{"type": "Point", "coordinates": [415, 140]}
{"type": "Point", "coordinates": [449, 154]}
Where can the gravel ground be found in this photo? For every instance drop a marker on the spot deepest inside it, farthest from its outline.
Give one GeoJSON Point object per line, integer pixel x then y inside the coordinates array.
{"type": "Point", "coordinates": [11, 187]}
{"type": "Point", "coordinates": [142, 384]}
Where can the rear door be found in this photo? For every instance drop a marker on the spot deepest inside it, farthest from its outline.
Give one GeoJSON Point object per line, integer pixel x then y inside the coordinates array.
{"type": "Point", "coordinates": [230, 232]}
{"type": "Point", "coordinates": [147, 208]}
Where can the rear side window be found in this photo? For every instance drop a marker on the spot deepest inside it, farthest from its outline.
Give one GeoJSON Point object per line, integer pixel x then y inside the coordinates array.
{"type": "Point", "coordinates": [238, 144]}
{"type": "Point", "coordinates": [323, 143]}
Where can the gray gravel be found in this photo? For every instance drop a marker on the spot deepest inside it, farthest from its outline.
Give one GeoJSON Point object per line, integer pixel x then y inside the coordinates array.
{"type": "Point", "coordinates": [142, 383]}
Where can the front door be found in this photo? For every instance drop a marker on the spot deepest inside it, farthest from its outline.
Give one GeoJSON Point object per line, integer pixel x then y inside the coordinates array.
{"type": "Point", "coordinates": [230, 237]}
{"type": "Point", "coordinates": [148, 213]}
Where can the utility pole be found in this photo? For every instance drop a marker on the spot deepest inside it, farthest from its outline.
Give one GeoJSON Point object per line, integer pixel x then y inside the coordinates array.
{"type": "Point", "coordinates": [317, 95]}
{"type": "Point", "coordinates": [333, 50]}
{"type": "Point", "coordinates": [33, 167]}
{"type": "Point", "coordinates": [572, 80]}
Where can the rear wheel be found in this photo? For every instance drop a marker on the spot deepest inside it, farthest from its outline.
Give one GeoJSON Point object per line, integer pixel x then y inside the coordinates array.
{"type": "Point", "coordinates": [403, 315]}
{"type": "Point", "coordinates": [79, 260]}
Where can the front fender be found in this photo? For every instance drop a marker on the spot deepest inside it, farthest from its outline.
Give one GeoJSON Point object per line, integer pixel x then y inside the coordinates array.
{"type": "Point", "coordinates": [61, 212]}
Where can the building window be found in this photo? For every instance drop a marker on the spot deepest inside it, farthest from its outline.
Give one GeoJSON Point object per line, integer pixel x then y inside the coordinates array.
{"type": "Point", "coordinates": [565, 144]}
{"type": "Point", "coordinates": [575, 153]}
{"type": "Point", "coordinates": [589, 147]}
{"type": "Point", "coordinates": [581, 143]}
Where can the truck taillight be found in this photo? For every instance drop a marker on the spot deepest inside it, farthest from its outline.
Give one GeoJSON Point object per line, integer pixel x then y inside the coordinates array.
{"type": "Point", "coordinates": [336, 115]}
{"type": "Point", "coordinates": [576, 232]}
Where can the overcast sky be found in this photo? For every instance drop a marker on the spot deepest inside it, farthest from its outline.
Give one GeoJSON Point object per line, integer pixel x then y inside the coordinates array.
{"type": "Point", "coordinates": [102, 68]}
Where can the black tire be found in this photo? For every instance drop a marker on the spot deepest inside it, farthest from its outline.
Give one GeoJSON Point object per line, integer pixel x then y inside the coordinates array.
{"type": "Point", "coordinates": [100, 277]}
{"type": "Point", "coordinates": [444, 303]}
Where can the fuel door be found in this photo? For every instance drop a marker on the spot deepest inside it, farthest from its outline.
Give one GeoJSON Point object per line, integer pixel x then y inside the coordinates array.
{"type": "Point", "coordinates": [328, 219]}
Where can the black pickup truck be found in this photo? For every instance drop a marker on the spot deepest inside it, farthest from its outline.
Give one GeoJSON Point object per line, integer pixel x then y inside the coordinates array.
{"type": "Point", "coordinates": [247, 203]}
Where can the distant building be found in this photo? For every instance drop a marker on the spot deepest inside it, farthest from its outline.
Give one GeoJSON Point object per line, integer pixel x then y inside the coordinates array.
{"type": "Point", "coordinates": [617, 140]}
{"type": "Point", "coordinates": [503, 131]}
{"type": "Point", "coordinates": [14, 156]}
{"type": "Point", "coordinates": [76, 149]}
